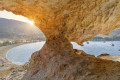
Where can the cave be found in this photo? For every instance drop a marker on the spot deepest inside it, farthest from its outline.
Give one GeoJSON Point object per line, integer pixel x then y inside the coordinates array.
{"type": "Point", "coordinates": [63, 21]}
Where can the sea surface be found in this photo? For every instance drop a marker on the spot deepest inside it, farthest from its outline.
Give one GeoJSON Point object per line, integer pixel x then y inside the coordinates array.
{"type": "Point", "coordinates": [21, 54]}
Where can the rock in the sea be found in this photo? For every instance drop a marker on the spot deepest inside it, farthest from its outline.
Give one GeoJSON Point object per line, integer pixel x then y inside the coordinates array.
{"type": "Point", "coordinates": [105, 54]}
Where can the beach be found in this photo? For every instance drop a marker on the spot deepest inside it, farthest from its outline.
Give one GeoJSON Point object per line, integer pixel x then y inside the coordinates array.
{"type": "Point", "coordinates": [8, 70]}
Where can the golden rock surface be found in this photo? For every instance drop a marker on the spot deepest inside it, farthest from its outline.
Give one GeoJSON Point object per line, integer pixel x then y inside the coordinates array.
{"type": "Point", "coordinates": [63, 21]}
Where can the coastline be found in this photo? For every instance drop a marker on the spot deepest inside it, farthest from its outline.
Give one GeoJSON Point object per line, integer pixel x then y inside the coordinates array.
{"type": "Point", "coordinates": [8, 70]}
{"type": "Point", "coordinates": [11, 71]}
{"type": "Point", "coordinates": [7, 50]}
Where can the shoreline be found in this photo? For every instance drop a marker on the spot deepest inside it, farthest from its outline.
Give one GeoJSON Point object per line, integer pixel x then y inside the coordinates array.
{"type": "Point", "coordinates": [9, 70]}
{"type": "Point", "coordinates": [12, 46]}
{"type": "Point", "coordinates": [6, 49]}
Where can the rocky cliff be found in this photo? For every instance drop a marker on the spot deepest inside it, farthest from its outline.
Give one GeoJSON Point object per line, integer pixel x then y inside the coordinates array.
{"type": "Point", "coordinates": [63, 21]}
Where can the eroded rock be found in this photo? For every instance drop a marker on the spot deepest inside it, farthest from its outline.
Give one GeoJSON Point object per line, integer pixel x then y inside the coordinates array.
{"type": "Point", "coordinates": [78, 20]}
{"type": "Point", "coordinates": [63, 21]}
{"type": "Point", "coordinates": [102, 55]}
{"type": "Point", "coordinates": [71, 67]}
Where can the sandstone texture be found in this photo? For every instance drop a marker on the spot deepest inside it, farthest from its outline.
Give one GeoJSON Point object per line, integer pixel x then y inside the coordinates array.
{"type": "Point", "coordinates": [71, 67]}
{"type": "Point", "coordinates": [63, 21]}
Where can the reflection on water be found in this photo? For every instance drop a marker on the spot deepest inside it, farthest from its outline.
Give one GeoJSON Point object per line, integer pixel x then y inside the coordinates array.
{"type": "Point", "coordinates": [21, 54]}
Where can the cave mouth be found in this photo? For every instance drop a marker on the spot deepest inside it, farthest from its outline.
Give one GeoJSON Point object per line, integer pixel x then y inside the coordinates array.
{"type": "Point", "coordinates": [16, 31]}
{"type": "Point", "coordinates": [88, 47]}
{"type": "Point", "coordinates": [101, 44]}
{"type": "Point", "coordinates": [62, 22]}
{"type": "Point", "coordinates": [19, 30]}
{"type": "Point", "coordinates": [5, 14]}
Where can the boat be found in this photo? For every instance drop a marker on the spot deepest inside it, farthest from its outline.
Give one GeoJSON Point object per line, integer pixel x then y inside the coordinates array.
{"type": "Point", "coordinates": [87, 42]}
{"type": "Point", "coordinates": [112, 44]}
{"type": "Point", "coordinates": [82, 45]}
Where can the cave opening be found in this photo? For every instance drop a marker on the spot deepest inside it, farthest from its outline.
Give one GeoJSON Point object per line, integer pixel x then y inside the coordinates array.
{"type": "Point", "coordinates": [102, 46]}
{"type": "Point", "coordinates": [19, 38]}
{"type": "Point", "coordinates": [62, 22]}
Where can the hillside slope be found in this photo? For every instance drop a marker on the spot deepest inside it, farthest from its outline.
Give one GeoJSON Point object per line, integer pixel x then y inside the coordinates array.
{"type": "Point", "coordinates": [16, 29]}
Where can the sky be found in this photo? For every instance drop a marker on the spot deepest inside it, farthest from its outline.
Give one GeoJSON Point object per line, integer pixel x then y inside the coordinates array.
{"type": "Point", "coordinates": [10, 15]}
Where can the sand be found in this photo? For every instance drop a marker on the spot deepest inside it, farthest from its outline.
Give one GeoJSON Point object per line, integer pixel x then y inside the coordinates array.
{"type": "Point", "coordinates": [8, 70]}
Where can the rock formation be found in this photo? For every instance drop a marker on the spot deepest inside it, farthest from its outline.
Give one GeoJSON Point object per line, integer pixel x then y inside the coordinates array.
{"type": "Point", "coordinates": [63, 21]}
{"type": "Point", "coordinates": [104, 54]}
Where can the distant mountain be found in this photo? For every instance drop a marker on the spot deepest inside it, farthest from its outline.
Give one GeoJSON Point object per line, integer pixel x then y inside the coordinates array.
{"type": "Point", "coordinates": [113, 36]}
{"type": "Point", "coordinates": [16, 29]}
{"type": "Point", "coordinates": [116, 32]}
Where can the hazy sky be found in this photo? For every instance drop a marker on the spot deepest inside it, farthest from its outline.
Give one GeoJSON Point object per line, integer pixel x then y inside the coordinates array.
{"type": "Point", "coordinates": [10, 15]}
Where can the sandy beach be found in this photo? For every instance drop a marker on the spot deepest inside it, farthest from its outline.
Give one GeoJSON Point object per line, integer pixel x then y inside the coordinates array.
{"type": "Point", "coordinates": [8, 70]}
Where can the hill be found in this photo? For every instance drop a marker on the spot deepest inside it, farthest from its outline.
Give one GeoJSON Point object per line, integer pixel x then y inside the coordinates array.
{"type": "Point", "coordinates": [115, 32]}
{"type": "Point", "coordinates": [16, 29]}
{"type": "Point", "coordinates": [113, 36]}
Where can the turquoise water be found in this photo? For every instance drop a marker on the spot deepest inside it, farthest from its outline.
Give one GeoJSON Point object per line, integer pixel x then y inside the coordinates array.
{"type": "Point", "coordinates": [21, 54]}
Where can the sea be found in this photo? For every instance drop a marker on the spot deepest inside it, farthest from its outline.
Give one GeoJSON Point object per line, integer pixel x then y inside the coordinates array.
{"type": "Point", "coordinates": [21, 54]}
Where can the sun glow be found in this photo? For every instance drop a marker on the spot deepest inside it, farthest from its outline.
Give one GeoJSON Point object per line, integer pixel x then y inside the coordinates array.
{"type": "Point", "coordinates": [31, 22]}
{"type": "Point", "coordinates": [10, 15]}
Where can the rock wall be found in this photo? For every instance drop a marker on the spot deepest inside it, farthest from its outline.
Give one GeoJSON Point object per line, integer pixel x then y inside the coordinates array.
{"type": "Point", "coordinates": [63, 21]}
